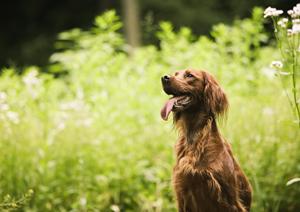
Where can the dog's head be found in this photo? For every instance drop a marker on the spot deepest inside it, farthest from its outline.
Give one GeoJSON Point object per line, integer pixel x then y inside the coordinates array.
{"type": "Point", "coordinates": [193, 90]}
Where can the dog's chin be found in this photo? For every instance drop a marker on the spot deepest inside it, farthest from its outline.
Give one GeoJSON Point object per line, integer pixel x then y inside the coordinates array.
{"type": "Point", "coordinates": [168, 90]}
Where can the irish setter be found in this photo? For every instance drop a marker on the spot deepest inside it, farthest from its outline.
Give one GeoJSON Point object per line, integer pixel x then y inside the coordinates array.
{"type": "Point", "coordinates": [206, 177]}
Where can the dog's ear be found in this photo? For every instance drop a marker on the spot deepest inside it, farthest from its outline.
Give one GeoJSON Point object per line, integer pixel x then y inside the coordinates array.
{"type": "Point", "coordinates": [214, 97]}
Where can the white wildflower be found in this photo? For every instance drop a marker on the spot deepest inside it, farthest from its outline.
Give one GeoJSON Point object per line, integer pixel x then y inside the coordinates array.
{"type": "Point", "coordinates": [83, 201]}
{"type": "Point", "coordinates": [60, 120]}
{"type": "Point", "coordinates": [295, 12]}
{"type": "Point", "coordinates": [283, 22]}
{"type": "Point", "coordinates": [79, 93]}
{"type": "Point", "coordinates": [13, 117]}
{"type": "Point", "coordinates": [51, 164]}
{"type": "Point", "coordinates": [296, 28]}
{"type": "Point", "coordinates": [115, 208]}
{"type": "Point", "coordinates": [272, 12]}
{"type": "Point", "coordinates": [85, 122]}
{"type": "Point", "coordinates": [296, 21]}
{"type": "Point", "coordinates": [290, 12]}
{"type": "Point", "coordinates": [289, 32]}
{"type": "Point", "coordinates": [2, 96]}
{"type": "Point", "coordinates": [4, 107]}
{"type": "Point", "coordinates": [277, 64]}
{"type": "Point", "coordinates": [31, 78]}
{"type": "Point", "coordinates": [61, 126]}
{"type": "Point", "coordinates": [268, 111]}
{"type": "Point", "coordinates": [277, 12]}
{"type": "Point", "coordinates": [269, 73]}
{"type": "Point", "coordinates": [75, 105]}
{"type": "Point", "coordinates": [41, 153]}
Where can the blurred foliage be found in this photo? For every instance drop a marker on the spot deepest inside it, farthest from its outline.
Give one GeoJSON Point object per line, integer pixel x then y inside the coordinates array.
{"type": "Point", "coordinates": [10, 204]}
{"type": "Point", "coordinates": [30, 27]}
{"type": "Point", "coordinates": [93, 140]}
{"type": "Point", "coordinates": [200, 16]}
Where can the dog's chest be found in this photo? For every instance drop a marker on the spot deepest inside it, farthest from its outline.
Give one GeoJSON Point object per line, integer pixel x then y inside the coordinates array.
{"type": "Point", "coordinates": [200, 188]}
{"type": "Point", "coordinates": [205, 155]}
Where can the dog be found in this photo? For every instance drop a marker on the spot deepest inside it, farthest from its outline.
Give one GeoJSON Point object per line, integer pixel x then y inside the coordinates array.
{"type": "Point", "coordinates": [206, 176]}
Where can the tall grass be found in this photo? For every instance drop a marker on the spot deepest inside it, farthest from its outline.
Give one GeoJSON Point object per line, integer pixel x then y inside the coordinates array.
{"type": "Point", "coordinates": [93, 140]}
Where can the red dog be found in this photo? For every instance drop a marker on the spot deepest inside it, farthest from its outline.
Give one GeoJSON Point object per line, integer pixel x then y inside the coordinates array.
{"type": "Point", "coordinates": [206, 176]}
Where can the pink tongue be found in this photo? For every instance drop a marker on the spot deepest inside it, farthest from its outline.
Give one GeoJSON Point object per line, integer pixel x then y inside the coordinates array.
{"type": "Point", "coordinates": [165, 111]}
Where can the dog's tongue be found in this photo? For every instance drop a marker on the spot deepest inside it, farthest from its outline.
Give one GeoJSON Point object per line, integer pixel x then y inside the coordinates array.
{"type": "Point", "coordinates": [165, 111]}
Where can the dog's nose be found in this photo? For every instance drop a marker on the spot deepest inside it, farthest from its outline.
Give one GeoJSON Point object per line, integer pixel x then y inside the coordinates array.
{"type": "Point", "coordinates": [165, 78]}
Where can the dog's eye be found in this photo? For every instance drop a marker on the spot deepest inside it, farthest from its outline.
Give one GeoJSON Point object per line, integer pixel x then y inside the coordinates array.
{"type": "Point", "coordinates": [189, 75]}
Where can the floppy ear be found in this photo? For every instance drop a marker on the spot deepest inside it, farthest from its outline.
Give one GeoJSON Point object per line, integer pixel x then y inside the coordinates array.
{"type": "Point", "coordinates": [214, 97]}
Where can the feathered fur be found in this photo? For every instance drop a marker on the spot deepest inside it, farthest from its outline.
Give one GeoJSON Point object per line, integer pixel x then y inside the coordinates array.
{"type": "Point", "coordinates": [206, 176]}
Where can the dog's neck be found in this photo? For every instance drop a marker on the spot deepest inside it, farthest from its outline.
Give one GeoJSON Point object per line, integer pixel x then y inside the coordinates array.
{"type": "Point", "coordinates": [197, 124]}
{"type": "Point", "coordinates": [199, 136]}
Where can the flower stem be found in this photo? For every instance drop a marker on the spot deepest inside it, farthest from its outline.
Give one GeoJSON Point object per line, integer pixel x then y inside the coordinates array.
{"type": "Point", "coordinates": [294, 68]}
{"type": "Point", "coordinates": [279, 42]}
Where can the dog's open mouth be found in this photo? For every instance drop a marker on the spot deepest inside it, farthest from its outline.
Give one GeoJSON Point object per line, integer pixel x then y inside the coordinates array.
{"type": "Point", "coordinates": [176, 103]}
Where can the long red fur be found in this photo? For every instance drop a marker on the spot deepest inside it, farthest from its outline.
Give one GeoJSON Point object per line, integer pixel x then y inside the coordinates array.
{"type": "Point", "coordinates": [206, 176]}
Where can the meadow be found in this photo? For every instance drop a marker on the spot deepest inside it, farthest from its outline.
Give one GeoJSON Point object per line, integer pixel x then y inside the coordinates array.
{"type": "Point", "coordinates": [87, 135]}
